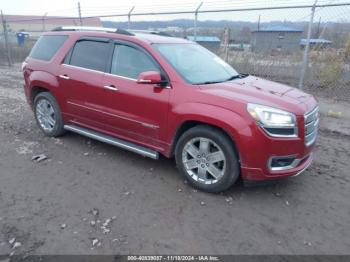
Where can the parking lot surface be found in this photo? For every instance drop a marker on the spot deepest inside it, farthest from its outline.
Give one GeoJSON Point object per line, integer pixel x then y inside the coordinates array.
{"type": "Point", "coordinates": [92, 198]}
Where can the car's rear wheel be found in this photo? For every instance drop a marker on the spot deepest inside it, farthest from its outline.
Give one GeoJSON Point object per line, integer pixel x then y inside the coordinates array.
{"type": "Point", "coordinates": [48, 114]}
{"type": "Point", "coordinates": [206, 157]}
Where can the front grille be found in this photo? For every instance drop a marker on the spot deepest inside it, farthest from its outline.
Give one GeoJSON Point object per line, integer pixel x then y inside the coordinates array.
{"type": "Point", "coordinates": [311, 120]}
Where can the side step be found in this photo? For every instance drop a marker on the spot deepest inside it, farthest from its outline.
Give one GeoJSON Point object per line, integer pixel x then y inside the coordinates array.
{"type": "Point", "coordinates": [113, 141]}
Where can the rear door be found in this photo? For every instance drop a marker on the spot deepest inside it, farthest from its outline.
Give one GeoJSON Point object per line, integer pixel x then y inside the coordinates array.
{"type": "Point", "coordinates": [81, 76]}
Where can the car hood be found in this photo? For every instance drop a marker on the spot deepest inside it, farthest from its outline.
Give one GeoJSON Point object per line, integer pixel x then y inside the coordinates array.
{"type": "Point", "coordinates": [253, 89]}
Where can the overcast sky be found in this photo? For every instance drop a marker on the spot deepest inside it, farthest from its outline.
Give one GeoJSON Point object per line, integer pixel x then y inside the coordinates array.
{"type": "Point", "coordinates": [107, 7]}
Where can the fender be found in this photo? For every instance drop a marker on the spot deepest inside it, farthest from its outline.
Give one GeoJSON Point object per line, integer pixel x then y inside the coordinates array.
{"type": "Point", "coordinates": [231, 122]}
{"type": "Point", "coordinates": [48, 81]}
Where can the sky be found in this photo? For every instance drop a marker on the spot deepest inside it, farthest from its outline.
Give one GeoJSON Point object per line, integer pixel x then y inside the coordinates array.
{"type": "Point", "coordinates": [109, 7]}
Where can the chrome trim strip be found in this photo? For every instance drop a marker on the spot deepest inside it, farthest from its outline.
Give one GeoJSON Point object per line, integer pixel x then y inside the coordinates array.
{"type": "Point", "coordinates": [101, 72]}
{"type": "Point", "coordinates": [306, 167]}
{"type": "Point", "coordinates": [150, 126]}
{"type": "Point", "coordinates": [309, 124]}
{"type": "Point", "coordinates": [314, 121]}
{"type": "Point", "coordinates": [114, 115]}
{"type": "Point", "coordinates": [106, 73]}
{"type": "Point", "coordinates": [123, 77]}
{"type": "Point", "coordinates": [311, 112]}
{"type": "Point", "coordinates": [313, 132]}
{"type": "Point", "coordinates": [313, 139]}
{"type": "Point", "coordinates": [295, 162]}
{"type": "Point", "coordinates": [295, 135]}
{"type": "Point", "coordinates": [132, 79]}
{"type": "Point", "coordinates": [113, 141]}
{"type": "Point", "coordinates": [83, 68]}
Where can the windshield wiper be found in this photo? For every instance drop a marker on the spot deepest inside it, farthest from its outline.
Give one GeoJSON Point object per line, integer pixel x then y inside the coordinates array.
{"type": "Point", "coordinates": [239, 76]}
{"type": "Point", "coordinates": [209, 82]}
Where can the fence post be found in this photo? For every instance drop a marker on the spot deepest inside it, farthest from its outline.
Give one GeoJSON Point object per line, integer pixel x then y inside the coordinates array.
{"type": "Point", "coordinates": [347, 48]}
{"type": "Point", "coordinates": [227, 42]}
{"type": "Point", "coordinates": [305, 63]}
{"type": "Point", "coordinates": [79, 12]}
{"type": "Point", "coordinates": [7, 47]}
{"type": "Point", "coordinates": [44, 25]}
{"type": "Point", "coordinates": [129, 16]}
{"type": "Point", "coordinates": [195, 21]}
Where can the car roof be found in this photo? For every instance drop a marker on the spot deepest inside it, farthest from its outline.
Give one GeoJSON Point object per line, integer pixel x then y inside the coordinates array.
{"type": "Point", "coordinates": [148, 38]}
{"type": "Point", "coordinates": [152, 38]}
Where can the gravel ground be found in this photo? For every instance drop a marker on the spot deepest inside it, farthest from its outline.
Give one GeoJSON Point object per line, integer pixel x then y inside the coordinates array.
{"type": "Point", "coordinates": [92, 198]}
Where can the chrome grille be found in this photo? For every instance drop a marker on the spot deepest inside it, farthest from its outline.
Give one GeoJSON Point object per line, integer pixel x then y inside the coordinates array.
{"type": "Point", "coordinates": [311, 120]}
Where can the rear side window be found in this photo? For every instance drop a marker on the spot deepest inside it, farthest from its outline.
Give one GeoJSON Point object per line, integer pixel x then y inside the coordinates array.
{"type": "Point", "coordinates": [47, 46]}
{"type": "Point", "coordinates": [91, 55]}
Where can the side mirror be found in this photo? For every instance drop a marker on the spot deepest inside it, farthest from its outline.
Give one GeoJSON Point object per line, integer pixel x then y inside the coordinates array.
{"type": "Point", "coordinates": [150, 77]}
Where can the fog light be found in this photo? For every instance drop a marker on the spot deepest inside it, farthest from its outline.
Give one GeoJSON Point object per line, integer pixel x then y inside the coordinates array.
{"type": "Point", "coordinates": [283, 162]}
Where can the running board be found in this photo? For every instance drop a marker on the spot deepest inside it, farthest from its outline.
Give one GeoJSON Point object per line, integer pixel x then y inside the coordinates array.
{"type": "Point", "coordinates": [113, 141]}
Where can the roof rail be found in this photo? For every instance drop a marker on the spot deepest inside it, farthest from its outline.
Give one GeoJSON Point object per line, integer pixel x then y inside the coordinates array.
{"type": "Point", "coordinates": [152, 32]}
{"type": "Point", "coordinates": [92, 28]}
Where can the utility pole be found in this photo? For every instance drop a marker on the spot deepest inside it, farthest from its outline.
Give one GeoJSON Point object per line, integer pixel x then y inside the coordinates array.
{"type": "Point", "coordinates": [44, 22]}
{"type": "Point", "coordinates": [129, 16]}
{"type": "Point", "coordinates": [195, 21]}
{"type": "Point", "coordinates": [79, 12]}
{"type": "Point", "coordinates": [259, 23]}
{"type": "Point", "coordinates": [7, 47]}
{"type": "Point", "coordinates": [305, 63]}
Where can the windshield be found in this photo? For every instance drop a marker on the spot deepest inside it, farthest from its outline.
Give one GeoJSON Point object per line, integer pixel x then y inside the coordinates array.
{"type": "Point", "coordinates": [196, 64]}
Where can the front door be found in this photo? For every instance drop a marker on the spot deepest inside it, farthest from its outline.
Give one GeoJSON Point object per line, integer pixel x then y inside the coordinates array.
{"type": "Point", "coordinates": [141, 110]}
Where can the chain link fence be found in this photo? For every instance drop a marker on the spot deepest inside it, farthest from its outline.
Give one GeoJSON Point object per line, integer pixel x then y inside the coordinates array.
{"type": "Point", "coordinates": [17, 52]}
{"type": "Point", "coordinates": [282, 44]}
{"type": "Point", "coordinates": [275, 50]}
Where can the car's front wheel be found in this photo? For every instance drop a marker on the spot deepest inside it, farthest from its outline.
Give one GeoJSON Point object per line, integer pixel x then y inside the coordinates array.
{"type": "Point", "coordinates": [206, 157]}
{"type": "Point", "coordinates": [48, 114]}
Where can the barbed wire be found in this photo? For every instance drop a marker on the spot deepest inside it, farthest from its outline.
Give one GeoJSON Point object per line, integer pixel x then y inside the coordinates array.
{"type": "Point", "coordinates": [173, 12]}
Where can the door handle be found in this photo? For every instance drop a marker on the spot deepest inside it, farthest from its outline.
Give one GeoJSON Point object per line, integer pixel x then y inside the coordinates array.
{"type": "Point", "coordinates": [64, 77]}
{"type": "Point", "coordinates": [111, 87]}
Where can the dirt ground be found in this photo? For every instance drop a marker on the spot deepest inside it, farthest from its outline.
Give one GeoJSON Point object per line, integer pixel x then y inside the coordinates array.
{"type": "Point", "coordinates": [92, 198]}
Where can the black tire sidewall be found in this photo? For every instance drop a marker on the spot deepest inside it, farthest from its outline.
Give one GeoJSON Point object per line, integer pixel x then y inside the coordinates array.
{"type": "Point", "coordinates": [58, 128]}
{"type": "Point", "coordinates": [232, 171]}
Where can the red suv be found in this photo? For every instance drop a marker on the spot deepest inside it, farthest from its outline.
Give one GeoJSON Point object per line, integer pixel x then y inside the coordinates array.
{"type": "Point", "coordinates": [153, 94]}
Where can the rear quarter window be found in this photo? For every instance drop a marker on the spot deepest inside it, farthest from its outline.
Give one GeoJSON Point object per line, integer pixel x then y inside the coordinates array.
{"type": "Point", "coordinates": [47, 46]}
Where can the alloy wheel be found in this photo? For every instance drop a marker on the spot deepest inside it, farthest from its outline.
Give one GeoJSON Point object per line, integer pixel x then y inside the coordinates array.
{"type": "Point", "coordinates": [45, 114]}
{"type": "Point", "coordinates": [204, 160]}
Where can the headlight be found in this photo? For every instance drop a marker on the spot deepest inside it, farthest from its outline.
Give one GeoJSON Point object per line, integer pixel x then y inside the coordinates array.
{"type": "Point", "coordinates": [274, 121]}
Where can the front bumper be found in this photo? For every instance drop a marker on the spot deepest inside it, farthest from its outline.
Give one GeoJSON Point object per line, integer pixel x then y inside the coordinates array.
{"type": "Point", "coordinates": [258, 152]}
{"type": "Point", "coordinates": [260, 174]}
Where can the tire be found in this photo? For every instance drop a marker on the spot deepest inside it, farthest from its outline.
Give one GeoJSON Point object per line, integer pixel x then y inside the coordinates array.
{"type": "Point", "coordinates": [196, 161]}
{"type": "Point", "coordinates": [48, 114]}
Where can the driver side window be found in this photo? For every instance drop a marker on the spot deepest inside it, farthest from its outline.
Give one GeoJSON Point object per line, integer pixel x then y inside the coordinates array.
{"type": "Point", "coordinates": [130, 62]}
